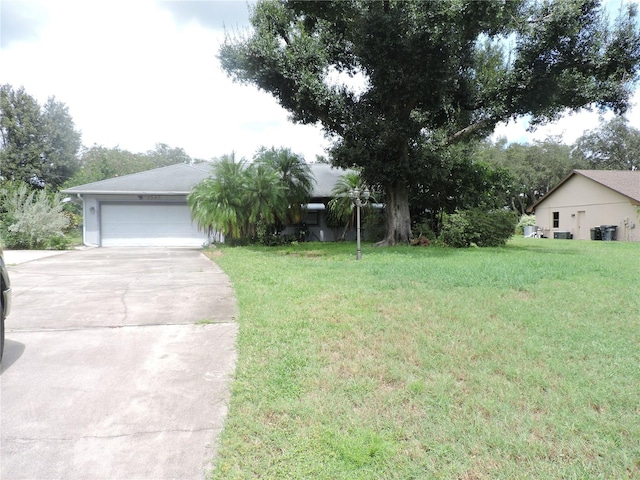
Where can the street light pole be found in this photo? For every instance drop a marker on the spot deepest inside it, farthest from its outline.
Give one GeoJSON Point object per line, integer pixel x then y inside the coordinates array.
{"type": "Point", "coordinates": [358, 251]}
{"type": "Point", "coordinates": [359, 199]}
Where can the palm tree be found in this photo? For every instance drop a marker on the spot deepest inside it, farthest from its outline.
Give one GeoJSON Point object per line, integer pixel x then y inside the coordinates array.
{"type": "Point", "coordinates": [295, 176]}
{"type": "Point", "coordinates": [220, 202]}
{"type": "Point", "coordinates": [239, 197]}
{"type": "Point", "coordinates": [266, 196]}
{"type": "Point", "coordinates": [340, 211]}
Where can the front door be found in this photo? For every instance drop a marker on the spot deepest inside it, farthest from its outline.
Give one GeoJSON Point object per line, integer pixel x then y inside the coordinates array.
{"type": "Point", "coordinates": [581, 226]}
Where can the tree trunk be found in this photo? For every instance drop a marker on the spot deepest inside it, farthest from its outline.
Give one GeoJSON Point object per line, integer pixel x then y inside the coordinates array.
{"type": "Point", "coordinates": [398, 218]}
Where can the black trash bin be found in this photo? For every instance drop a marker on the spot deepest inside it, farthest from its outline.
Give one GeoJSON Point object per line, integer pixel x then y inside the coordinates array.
{"type": "Point", "coordinates": [609, 232]}
{"type": "Point", "coordinates": [596, 233]}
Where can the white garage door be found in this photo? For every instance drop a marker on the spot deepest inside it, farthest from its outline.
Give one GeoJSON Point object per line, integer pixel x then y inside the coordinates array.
{"type": "Point", "coordinates": [148, 225]}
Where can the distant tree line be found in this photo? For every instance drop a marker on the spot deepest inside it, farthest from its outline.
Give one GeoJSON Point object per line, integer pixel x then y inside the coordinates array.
{"type": "Point", "coordinates": [537, 167]}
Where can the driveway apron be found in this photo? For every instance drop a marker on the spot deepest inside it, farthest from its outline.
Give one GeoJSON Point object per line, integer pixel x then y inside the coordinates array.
{"type": "Point", "coordinates": [117, 365]}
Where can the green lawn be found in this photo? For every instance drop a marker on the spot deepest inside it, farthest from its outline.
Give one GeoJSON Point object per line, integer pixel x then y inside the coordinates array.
{"type": "Point", "coordinates": [515, 362]}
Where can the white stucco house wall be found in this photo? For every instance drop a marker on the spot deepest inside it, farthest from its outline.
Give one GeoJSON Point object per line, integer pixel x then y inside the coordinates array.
{"type": "Point", "coordinates": [586, 199]}
{"type": "Point", "coordinates": [150, 208]}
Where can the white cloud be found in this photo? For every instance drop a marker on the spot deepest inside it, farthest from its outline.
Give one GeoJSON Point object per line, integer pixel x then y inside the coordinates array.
{"type": "Point", "coordinates": [133, 74]}
{"type": "Point", "coordinates": [133, 77]}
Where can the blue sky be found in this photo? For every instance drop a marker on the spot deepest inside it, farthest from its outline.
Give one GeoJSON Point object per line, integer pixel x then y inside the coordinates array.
{"type": "Point", "coordinates": [139, 72]}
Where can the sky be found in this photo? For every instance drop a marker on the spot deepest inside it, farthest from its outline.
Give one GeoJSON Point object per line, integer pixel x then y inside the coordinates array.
{"type": "Point", "coordinates": [135, 73]}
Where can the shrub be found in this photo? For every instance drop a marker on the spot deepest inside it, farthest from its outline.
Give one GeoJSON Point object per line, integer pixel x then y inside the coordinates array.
{"type": "Point", "coordinates": [457, 231]}
{"type": "Point", "coordinates": [267, 234]}
{"type": "Point", "coordinates": [525, 221]}
{"type": "Point", "coordinates": [58, 243]}
{"type": "Point", "coordinates": [477, 227]}
{"type": "Point", "coordinates": [31, 219]}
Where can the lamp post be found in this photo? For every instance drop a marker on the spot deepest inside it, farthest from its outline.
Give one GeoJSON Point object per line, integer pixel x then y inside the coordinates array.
{"type": "Point", "coordinates": [359, 199]}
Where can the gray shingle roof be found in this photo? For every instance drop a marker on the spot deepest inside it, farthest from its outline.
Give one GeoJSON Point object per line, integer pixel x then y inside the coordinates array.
{"type": "Point", "coordinates": [174, 179]}
{"type": "Point", "coordinates": [625, 182]}
{"type": "Point", "coordinates": [325, 177]}
{"type": "Point", "coordinates": [181, 178]}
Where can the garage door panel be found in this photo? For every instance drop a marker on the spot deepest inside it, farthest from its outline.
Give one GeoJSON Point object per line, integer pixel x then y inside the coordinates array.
{"type": "Point", "coordinates": [138, 224]}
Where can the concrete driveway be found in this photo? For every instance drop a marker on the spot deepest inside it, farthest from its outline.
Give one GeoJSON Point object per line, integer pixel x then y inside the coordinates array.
{"type": "Point", "coordinates": [117, 365]}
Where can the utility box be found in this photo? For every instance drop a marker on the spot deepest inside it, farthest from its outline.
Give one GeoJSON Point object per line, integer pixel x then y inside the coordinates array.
{"type": "Point", "coordinates": [562, 235]}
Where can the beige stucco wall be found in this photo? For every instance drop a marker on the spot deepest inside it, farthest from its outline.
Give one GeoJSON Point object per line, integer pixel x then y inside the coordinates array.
{"type": "Point", "coordinates": [583, 204]}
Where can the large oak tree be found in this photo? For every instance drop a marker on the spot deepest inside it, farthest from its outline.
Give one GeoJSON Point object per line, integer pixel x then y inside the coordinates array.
{"type": "Point", "coordinates": [432, 73]}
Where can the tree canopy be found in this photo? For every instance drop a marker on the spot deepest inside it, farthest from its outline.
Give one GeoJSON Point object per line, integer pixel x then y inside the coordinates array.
{"type": "Point", "coordinates": [38, 144]}
{"type": "Point", "coordinates": [432, 74]}
{"type": "Point", "coordinates": [99, 163]}
{"type": "Point", "coordinates": [533, 169]}
{"type": "Point", "coordinates": [615, 145]}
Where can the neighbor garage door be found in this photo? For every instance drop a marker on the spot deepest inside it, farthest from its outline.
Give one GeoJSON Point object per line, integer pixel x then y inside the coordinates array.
{"type": "Point", "coordinates": [148, 225]}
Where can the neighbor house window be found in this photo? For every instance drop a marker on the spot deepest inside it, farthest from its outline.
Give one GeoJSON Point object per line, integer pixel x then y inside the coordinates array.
{"type": "Point", "coordinates": [556, 219]}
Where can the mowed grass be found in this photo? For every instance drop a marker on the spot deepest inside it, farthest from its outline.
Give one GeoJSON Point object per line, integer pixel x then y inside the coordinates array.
{"type": "Point", "coordinates": [514, 362]}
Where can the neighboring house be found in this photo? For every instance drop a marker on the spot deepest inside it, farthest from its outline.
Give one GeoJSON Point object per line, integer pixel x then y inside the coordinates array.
{"type": "Point", "coordinates": [150, 208]}
{"type": "Point", "coordinates": [586, 199]}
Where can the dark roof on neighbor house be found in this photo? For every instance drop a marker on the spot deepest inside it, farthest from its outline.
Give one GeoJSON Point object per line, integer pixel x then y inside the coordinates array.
{"type": "Point", "coordinates": [180, 179]}
{"type": "Point", "coordinates": [625, 182]}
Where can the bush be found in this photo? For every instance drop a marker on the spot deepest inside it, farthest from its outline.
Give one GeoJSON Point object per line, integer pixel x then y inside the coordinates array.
{"type": "Point", "coordinates": [457, 230]}
{"type": "Point", "coordinates": [267, 234]}
{"type": "Point", "coordinates": [58, 243]}
{"type": "Point", "coordinates": [31, 219]}
{"type": "Point", "coordinates": [525, 221]}
{"type": "Point", "coordinates": [477, 227]}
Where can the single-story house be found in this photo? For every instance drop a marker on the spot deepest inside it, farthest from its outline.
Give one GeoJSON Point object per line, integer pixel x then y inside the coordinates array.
{"type": "Point", "coordinates": [150, 208]}
{"type": "Point", "coordinates": [587, 199]}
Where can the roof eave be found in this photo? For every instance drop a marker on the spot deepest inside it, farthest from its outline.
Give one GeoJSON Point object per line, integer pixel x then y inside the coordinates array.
{"type": "Point", "coordinates": [123, 192]}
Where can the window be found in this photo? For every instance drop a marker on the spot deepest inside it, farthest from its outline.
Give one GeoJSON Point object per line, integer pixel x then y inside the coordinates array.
{"type": "Point", "coordinates": [556, 219]}
{"type": "Point", "coordinates": [311, 217]}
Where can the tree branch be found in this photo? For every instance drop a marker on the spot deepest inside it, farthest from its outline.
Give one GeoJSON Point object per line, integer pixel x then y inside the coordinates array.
{"type": "Point", "coordinates": [471, 129]}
